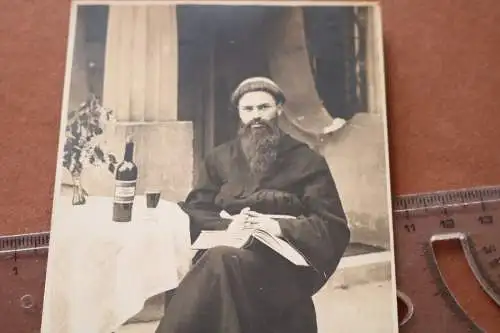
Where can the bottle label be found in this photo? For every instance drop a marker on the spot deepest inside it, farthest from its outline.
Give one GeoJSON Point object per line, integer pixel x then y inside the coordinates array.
{"type": "Point", "coordinates": [125, 191]}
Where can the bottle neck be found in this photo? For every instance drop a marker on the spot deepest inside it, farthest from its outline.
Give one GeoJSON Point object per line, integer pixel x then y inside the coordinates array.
{"type": "Point", "coordinates": [129, 152]}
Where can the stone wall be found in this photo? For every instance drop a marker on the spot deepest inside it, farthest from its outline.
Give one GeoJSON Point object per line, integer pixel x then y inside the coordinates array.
{"type": "Point", "coordinates": [356, 155]}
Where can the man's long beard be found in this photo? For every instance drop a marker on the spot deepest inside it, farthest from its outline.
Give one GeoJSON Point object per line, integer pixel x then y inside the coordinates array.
{"type": "Point", "coordinates": [260, 144]}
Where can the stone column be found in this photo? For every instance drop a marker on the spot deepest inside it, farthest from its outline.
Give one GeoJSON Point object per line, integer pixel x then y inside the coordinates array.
{"type": "Point", "coordinates": [140, 81]}
{"type": "Point", "coordinates": [141, 87]}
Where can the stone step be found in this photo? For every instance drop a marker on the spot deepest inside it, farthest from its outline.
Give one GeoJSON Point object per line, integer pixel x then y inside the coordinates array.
{"type": "Point", "coordinates": [361, 269]}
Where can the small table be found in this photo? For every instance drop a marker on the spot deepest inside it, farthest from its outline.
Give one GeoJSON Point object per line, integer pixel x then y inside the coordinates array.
{"type": "Point", "coordinates": [100, 272]}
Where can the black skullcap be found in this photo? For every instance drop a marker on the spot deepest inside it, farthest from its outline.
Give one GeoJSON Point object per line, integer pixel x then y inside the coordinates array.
{"type": "Point", "coordinates": [258, 84]}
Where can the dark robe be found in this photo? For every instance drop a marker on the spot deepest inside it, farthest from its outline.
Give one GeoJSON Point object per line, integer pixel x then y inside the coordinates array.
{"type": "Point", "coordinates": [255, 290]}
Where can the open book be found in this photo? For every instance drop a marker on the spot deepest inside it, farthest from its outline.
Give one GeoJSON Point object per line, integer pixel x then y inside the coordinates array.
{"type": "Point", "coordinates": [211, 238]}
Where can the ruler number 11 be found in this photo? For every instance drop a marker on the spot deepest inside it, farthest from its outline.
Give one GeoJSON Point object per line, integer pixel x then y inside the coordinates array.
{"type": "Point", "coordinates": [485, 219]}
{"type": "Point", "coordinates": [447, 223]}
{"type": "Point", "coordinates": [410, 227]}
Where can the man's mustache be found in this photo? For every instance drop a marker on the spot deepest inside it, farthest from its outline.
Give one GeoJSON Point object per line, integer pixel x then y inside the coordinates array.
{"type": "Point", "coordinates": [261, 122]}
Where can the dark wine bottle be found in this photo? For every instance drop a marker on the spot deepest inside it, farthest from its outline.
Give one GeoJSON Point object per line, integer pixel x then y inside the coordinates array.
{"type": "Point", "coordinates": [125, 185]}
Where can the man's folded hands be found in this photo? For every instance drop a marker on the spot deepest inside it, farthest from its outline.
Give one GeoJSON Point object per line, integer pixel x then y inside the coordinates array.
{"type": "Point", "coordinates": [248, 220]}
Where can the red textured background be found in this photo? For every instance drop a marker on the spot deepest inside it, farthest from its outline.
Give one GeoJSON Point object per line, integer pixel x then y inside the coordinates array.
{"type": "Point", "coordinates": [443, 78]}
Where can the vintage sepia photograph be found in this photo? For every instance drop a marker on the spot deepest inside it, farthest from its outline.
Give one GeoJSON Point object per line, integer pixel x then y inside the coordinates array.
{"type": "Point", "coordinates": [223, 167]}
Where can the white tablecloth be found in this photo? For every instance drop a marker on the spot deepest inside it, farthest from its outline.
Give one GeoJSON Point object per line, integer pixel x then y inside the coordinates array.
{"type": "Point", "coordinates": [100, 272]}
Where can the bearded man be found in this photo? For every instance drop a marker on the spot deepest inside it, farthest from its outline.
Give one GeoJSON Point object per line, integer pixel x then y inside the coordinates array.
{"type": "Point", "coordinates": [255, 290]}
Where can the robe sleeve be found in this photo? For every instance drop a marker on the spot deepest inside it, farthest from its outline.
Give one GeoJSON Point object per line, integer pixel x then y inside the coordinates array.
{"type": "Point", "coordinates": [200, 202]}
{"type": "Point", "coordinates": [322, 233]}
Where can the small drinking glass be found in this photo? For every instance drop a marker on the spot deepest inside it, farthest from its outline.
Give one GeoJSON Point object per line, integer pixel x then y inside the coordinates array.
{"type": "Point", "coordinates": [152, 197]}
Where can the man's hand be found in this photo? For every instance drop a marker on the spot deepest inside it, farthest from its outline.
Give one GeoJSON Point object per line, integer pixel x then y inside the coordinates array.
{"type": "Point", "coordinates": [238, 223]}
{"type": "Point", "coordinates": [247, 220]}
{"type": "Point", "coordinates": [264, 223]}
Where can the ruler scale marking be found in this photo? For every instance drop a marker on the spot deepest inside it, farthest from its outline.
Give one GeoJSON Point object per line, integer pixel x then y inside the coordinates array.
{"type": "Point", "coordinates": [24, 243]}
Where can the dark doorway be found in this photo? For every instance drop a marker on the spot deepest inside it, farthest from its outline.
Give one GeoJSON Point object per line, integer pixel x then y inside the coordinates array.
{"type": "Point", "coordinates": [219, 46]}
{"type": "Point", "coordinates": [240, 53]}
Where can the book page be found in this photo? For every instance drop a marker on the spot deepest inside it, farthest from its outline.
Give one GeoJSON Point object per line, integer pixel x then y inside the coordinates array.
{"type": "Point", "coordinates": [211, 238]}
{"type": "Point", "coordinates": [280, 246]}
